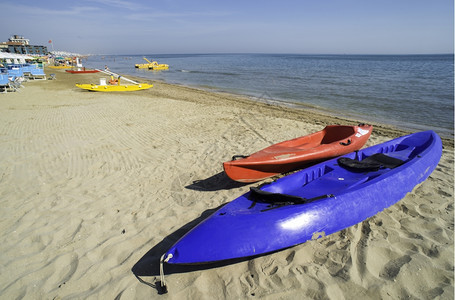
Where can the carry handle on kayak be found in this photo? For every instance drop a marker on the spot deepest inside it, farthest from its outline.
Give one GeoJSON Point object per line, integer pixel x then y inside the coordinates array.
{"type": "Point", "coordinates": [277, 198]}
{"type": "Point", "coordinates": [347, 143]}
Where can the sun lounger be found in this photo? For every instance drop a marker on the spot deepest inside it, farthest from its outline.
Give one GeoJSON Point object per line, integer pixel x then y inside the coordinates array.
{"type": "Point", "coordinates": [32, 71]}
{"type": "Point", "coordinates": [37, 73]}
{"type": "Point", "coordinates": [26, 69]}
{"type": "Point", "coordinates": [15, 71]}
{"type": "Point", "coordinates": [4, 80]}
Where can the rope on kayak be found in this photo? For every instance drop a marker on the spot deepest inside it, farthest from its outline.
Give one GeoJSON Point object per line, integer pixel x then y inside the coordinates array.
{"type": "Point", "coordinates": [163, 287]}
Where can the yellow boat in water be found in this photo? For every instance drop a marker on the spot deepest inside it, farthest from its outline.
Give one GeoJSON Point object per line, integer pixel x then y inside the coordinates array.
{"type": "Point", "coordinates": [114, 88]}
{"type": "Point", "coordinates": [152, 65]}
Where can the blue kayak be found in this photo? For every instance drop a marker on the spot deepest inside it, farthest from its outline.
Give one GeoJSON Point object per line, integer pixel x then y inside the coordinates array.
{"type": "Point", "coordinates": [311, 203]}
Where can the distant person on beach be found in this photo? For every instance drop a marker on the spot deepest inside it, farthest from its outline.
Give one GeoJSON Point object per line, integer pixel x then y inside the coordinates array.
{"type": "Point", "coordinates": [106, 68]}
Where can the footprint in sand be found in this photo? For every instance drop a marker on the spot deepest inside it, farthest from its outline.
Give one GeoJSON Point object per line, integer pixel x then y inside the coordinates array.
{"type": "Point", "coordinates": [392, 268]}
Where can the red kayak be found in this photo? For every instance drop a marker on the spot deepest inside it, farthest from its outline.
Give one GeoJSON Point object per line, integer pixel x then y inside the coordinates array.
{"type": "Point", "coordinates": [332, 141]}
{"type": "Point", "coordinates": [81, 71]}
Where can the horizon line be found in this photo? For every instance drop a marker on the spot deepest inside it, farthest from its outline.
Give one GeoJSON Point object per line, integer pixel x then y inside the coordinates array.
{"type": "Point", "coordinates": [282, 53]}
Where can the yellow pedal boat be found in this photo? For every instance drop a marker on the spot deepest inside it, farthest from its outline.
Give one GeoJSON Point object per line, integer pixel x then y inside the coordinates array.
{"type": "Point", "coordinates": [114, 88]}
{"type": "Point", "coordinates": [152, 65]}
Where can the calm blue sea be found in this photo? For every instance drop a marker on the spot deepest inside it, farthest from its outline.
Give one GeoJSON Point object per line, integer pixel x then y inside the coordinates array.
{"type": "Point", "coordinates": [409, 91]}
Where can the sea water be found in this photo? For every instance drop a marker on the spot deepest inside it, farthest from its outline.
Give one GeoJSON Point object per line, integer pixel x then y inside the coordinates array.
{"type": "Point", "coordinates": [409, 91]}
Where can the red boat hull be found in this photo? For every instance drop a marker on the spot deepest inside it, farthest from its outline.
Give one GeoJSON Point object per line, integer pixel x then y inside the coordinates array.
{"type": "Point", "coordinates": [332, 141]}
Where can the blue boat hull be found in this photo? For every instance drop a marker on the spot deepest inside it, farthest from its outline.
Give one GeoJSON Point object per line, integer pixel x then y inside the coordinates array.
{"type": "Point", "coordinates": [337, 198]}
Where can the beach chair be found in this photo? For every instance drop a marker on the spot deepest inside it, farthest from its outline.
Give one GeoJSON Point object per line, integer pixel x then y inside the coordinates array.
{"type": "Point", "coordinates": [4, 80]}
{"type": "Point", "coordinates": [16, 84]}
{"type": "Point", "coordinates": [26, 70]}
{"type": "Point", "coordinates": [14, 71]}
{"type": "Point", "coordinates": [37, 73]}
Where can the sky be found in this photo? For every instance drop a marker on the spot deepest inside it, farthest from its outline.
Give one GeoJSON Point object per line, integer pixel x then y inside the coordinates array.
{"type": "Point", "coordinates": [247, 26]}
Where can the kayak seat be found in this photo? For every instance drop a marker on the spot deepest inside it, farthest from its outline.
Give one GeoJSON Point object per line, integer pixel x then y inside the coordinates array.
{"type": "Point", "coordinates": [331, 184]}
{"type": "Point", "coordinates": [371, 163]}
{"type": "Point", "coordinates": [337, 134]}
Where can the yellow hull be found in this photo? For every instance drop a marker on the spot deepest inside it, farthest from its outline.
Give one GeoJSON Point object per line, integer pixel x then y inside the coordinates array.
{"type": "Point", "coordinates": [159, 67]}
{"type": "Point", "coordinates": [114, 88]}
{"type": "Point", "coordinates": [143, 66]}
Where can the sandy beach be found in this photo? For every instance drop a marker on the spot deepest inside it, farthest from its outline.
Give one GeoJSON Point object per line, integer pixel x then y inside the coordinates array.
{"type": "Point", "coordinates": [95, 187]}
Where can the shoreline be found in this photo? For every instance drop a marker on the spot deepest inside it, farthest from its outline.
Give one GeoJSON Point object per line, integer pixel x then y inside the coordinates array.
{"type": "Point", "coordinates": [322, 111]}
{"type": "Point", "coordinates": [410, 124]}
{"type": "Point", "coordinates": [310, 113]}
{"type": "Point", "coordinates": [306, 110]}
{"type": "Point", "coordinates": [97, 186]}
